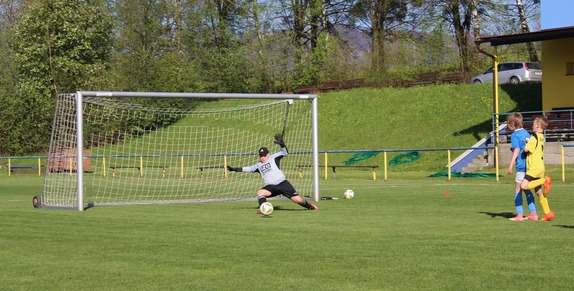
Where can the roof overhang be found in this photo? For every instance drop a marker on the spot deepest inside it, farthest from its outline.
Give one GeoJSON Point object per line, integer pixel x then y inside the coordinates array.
{"type": "Point", "coordinates": [541, 35]}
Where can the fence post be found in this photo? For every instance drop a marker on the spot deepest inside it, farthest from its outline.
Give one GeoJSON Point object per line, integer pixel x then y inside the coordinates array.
{"type": "Point", "coordinates": [448, 169]}
{"type": "Point", "coordinates": [496, 161]}
{"type": "Point", "coordinates": [141, 166]}
{"type": "Point", "coordinates": [104, 166]}
{"type": "Point", "coordinates": [225, 166]}
{"type": "Point", "coordinates": [181, 171]}
{"type": "Point", "coordinates": [563, 163]}
{"type": "Point", "coordinates": [385, 166]}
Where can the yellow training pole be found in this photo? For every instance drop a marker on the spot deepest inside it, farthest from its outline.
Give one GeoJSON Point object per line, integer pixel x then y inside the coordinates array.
{"type": "Point", "coordinates": [181, 172]}
{"type": "Point", "coordinates": [104, 166]}
{"type": "Point", "coordinates": [39, 167]}
{"type": "Point", "coordinates": [374, 175]}
{"type": "Point", "coordinates": [448, 163]}
{"type": "Point", "coordinates": [385, 166]}
{"type": "Point", "coordinates": [563, 170]}
{"type": "Point", "coordinates": [496, 161]}
{"type": "Point", "coordinates": [9, 167]}
{"type": "Point", "coordinates": [141, 166]}
{"type": "Point", "coordinates": [495, 109]}
{"type": "Point", "coordinates": [326, 166]}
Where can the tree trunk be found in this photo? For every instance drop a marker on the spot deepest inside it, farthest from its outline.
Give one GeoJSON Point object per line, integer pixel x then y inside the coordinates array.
{"type": "Point", "coordinates": [378, 11]}
{"type": "Point", "coordinates": [461, 24]}
{"type": "Point", "coordinates": [524, 25]}
{"type": "Point", "coordinates": [476, 27]}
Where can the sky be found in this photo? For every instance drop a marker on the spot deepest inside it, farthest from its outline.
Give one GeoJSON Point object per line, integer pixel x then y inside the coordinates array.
{"type": "Point", "coordinates": [556, 13]}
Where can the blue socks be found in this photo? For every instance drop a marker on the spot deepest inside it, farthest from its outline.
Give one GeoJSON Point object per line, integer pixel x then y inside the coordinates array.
{"type": "Point", "coordinates": [529, 199]}
{"type": "Point", "coordinates": [518, 202]}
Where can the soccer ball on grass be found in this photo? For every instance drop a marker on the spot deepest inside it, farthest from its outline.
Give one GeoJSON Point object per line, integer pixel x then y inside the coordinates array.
{"type": "Point", "coordinates": [266, 208]}
{"type": "Point", "coordinates": [349, 194]}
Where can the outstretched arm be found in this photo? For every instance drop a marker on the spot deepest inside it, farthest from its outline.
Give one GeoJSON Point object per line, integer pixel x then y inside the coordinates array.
{"type": "Point", "coordinates": [234, 169]}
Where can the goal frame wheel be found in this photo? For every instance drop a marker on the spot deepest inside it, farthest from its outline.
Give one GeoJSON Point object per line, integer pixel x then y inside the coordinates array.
{"type": "Point", "coordinates": [37, 202]}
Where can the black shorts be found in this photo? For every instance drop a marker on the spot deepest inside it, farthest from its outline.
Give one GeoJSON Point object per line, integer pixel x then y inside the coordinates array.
{"type": "Point", "coordinates": [284, 188]}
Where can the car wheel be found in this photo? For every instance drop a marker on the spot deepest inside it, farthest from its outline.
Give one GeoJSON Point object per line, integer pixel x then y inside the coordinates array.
{"type": "Point", "coordinates": [514, 80]}
{"type": "Point", "coordinates": [476, 81]}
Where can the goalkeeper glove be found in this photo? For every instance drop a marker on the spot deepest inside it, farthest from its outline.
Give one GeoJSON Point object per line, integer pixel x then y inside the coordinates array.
{"type": "Point", "coordinates": [279, 140]}
{"type": "Point", "coordinates": [232, 169]}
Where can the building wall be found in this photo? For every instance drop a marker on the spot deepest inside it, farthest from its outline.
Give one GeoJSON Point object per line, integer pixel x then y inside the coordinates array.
{"type": "Point", "coordinates": [557, 84]}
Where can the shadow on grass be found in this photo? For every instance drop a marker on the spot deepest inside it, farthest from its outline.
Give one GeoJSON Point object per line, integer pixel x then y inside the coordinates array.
{"type": "Point", "coordinates": [504, 215]}
{"type": "Point", "coordinates": [280, 208]}
{"type": "Point", "coordinates": [564, 226]}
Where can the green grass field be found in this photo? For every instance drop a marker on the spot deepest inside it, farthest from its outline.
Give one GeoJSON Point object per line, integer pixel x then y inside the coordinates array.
{"type": "Point", "coordinates": [407, 233]}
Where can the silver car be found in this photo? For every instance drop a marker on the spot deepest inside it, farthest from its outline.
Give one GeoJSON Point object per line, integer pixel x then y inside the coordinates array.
{"type": "Point", "coordinates": [512, 72]}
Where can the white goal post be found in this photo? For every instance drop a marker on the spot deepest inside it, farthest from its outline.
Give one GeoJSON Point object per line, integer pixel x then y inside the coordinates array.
{"type": "Point", "coordinates": [114, 148]}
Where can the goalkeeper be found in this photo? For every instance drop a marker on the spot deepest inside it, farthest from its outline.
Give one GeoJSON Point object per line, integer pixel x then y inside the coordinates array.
{"type": "Point", "coordinates": [275, 182]}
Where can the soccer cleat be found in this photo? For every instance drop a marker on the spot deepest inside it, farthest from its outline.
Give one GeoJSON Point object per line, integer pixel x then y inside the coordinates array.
{"type": "Point", "coordinates": [548, 217]}
{"type": "Point", "coordinates": [259, 212]}
{"type": "Point", "coordinates": [547, 184]}
{"type": "Point", "coordinates": [518, 217]}
{"type": "Point", "coordinates": [532, 216]}
{"type": "Point", "coordinates": [313, 207]}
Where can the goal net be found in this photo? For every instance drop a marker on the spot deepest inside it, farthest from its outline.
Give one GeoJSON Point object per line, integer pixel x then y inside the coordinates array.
{"type": "Point", "coordinates": [113, 148]}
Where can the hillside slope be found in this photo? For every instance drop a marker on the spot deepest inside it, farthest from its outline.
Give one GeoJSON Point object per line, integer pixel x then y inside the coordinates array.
{"type": "Point", "coordinates": [440, 116]}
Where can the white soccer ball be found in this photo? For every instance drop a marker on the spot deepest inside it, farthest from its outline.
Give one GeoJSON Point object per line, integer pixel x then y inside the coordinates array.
{"type": "Point", "coordinates": [349, 194]}
{"type": "Point", "coordinates": [266, 208]}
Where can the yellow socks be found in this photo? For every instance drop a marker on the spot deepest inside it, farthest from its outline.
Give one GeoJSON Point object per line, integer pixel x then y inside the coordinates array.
{"type": "Point", "coordinates": [544, 203]}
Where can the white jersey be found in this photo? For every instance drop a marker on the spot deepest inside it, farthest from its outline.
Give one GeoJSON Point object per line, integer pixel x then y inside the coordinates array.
{"type": "Point", "coordinates": [270, 171]}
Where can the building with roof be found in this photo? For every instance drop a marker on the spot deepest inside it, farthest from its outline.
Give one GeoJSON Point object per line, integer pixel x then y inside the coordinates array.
{"type": "Point", "coordinates": [557, 43]}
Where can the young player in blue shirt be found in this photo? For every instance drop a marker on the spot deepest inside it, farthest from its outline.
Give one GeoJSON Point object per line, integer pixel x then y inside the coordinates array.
{"type": "Point", "coordinates": [518, 140]}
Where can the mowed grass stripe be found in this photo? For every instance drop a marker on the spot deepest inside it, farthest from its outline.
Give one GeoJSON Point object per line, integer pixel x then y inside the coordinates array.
{"type": "Point", "coordinates": [393, 235]}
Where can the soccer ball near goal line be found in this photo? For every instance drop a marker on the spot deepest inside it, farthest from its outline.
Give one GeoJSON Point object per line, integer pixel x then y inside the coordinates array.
{"type": "Point", "coordinates": [266, 208]}
{"type": "Point", "coordinates": [349, 194]}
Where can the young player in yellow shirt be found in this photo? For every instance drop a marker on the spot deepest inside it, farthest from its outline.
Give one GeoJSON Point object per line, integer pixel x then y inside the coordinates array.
{"type": "Point", "coordinates": [535, 178]}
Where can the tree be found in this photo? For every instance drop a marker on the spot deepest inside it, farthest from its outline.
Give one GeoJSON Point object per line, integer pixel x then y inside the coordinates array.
{"type": "Point", "coordinates": [458, 13]}
{"type": "Point", "coordinates": [383, 17]}
{"type": "Point", "coordinates": [9, 11]}
{"type": "Point", "coordinates": [60, 46]}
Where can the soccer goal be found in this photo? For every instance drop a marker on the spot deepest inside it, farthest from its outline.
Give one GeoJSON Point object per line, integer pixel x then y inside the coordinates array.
{"type": "Point", "coordinates": [114, 148]}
